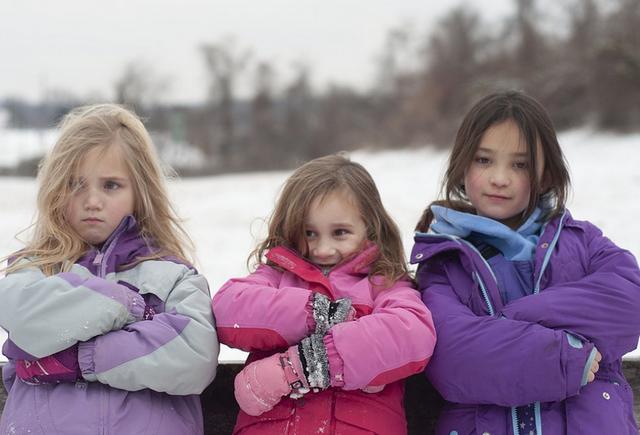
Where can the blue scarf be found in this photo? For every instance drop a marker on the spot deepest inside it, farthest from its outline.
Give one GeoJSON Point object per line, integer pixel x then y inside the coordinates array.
{"type": "Point", "coordinates": [515, 245]}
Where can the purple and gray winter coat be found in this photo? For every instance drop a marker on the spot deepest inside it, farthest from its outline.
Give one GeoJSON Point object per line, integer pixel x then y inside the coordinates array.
{"type": "Point", "coordinates": [140, 376]}
{"type": "Point", "coordinates": [491, 358]}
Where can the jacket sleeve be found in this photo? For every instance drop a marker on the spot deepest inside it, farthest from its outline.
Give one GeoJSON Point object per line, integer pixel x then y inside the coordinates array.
{"type": "Point", "coordinates": [46, 314]}
{"type": "Point", "coordinates": [481, 359]}
{"type": "Point", "coordinates": [175, 352]}
{"type": "Point", "coordinates": [603, 306]}
{"type": "Point", "coordinates": [253, 313]}
{"type": "Point", "coordinates": [393, 342]}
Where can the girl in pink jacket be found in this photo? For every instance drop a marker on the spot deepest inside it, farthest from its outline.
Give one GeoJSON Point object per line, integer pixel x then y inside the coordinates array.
{"type": "Point", "coordinates": [330, 316]}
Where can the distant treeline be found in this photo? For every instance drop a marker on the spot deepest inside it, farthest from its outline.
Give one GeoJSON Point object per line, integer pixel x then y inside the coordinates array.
{"type": "Point", "coordinates": [581, 59]}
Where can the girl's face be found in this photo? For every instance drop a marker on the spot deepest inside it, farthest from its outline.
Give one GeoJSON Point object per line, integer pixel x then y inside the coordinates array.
{"type": "Point", "coordinates": [102, 194]}
{"type": "Point", "coordinates": [334, 229]}
{"type": "Point", "coordinates": [497, 180]}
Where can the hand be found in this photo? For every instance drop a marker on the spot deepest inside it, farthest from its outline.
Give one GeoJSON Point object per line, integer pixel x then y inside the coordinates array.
{"type": "Point", "coordinates": [261, 385]}
{"type": "Point", "coordinates": [59, 367]}
{"type": "Point", "coordinates": [327, 313]}
{"type": "Point", "coordinates": [149, 311]}
{"type": "Point", "coordinates": [595, 366]}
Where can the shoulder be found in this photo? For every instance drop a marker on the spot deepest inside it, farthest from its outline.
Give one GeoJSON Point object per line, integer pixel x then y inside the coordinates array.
{"type": "Point", "coordinates": [264, 274]}
{"type": "Point", "coordinates": [162, 276]}
{"type": "Point", "coordinates": [580, 225]}
{"type": "Point", "coordinates": [583, 240]}
{"type": "Point", "coordinates": [267, 272]}
{"type": "Point", "coordinates": [571, 230]}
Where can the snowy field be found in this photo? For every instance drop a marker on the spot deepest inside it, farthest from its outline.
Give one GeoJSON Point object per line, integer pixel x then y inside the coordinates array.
{"type": "Point", "coordinates": [225, 215]}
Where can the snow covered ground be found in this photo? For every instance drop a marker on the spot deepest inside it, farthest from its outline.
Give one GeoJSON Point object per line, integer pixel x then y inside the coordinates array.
{"type": "Point", "coordinates": [226, 214]}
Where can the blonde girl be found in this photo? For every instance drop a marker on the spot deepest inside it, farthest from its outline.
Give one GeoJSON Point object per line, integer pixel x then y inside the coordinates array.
{"type": "Point", "coordinates": [109, 325]}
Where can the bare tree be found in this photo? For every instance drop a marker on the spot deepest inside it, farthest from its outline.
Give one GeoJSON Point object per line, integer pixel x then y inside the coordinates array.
{"type": "Point", "coordinates": [617, 70]}
{"type": "Point", "coordinates": [263, 148]}
{"type": "Point", "coordinates": [224, 64]}
{"type": "Point", "coordinates": [138, 87]}
{"type": "Point", "coordinates": [300, 116]}
{"type": "Point", "coordinates": [454, 55]}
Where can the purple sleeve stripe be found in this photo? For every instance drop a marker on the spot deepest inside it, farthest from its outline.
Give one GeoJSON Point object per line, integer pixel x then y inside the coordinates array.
{"type": "Point", "coordinates": [12, 351]}
{"type": "Point", "coordinates": [98, 285]}
{"type": "Point", "coordinates": [137, 340]}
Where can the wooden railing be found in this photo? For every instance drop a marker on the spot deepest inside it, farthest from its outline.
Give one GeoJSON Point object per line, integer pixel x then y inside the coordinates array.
{"type": "Point", "coordinates": [422, 402]}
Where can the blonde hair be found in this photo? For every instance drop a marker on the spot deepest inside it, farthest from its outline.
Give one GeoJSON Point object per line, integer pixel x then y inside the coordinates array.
{"type": "Point", "coordinates": [318, 178]}
{"type": "Point", "coordinates": [54, 245]}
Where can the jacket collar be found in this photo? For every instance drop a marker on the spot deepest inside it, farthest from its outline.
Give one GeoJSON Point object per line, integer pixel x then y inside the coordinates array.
{"type": "Point", "coordinates": [428, 245]}
{"type": "Point", "coordinates": [293, 262]}
{"type": "Point", "coordinates": [120, 249]}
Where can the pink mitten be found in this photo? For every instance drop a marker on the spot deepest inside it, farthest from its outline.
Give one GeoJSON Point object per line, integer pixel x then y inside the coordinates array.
{"type": "Point", "coordinates": [59, 367]}
{"type": "Point", "coordinates": [262, 384]}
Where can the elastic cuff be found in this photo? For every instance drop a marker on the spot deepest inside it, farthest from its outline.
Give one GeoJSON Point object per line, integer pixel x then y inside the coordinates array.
{"type": "Point", "coordinates": [311, 321]}
{"type": "Point", "coordinates": [336, 365]}
{"type": "Point", "coordinates": [86, 359]}
{"type": "Point", "coordinates": [136, 306]}
{"type": "Point", "coordinates": [587, 367]}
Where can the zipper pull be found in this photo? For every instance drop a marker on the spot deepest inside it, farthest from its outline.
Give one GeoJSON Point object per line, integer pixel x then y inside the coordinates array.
{"type": "Point", "coordinates": [98, 259]}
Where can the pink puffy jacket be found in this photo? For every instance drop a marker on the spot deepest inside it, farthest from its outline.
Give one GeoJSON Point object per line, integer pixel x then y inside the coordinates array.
{"type": "Point", "coordinates": [392, 337]}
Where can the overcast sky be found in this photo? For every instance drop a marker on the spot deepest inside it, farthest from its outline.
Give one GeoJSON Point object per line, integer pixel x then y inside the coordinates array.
{"type": "Point", "coordinates": [83, 45]}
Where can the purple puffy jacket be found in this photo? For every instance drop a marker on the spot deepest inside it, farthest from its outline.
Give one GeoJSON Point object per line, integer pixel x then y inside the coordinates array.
{"type": "Point", "coordinates": [491, 358]}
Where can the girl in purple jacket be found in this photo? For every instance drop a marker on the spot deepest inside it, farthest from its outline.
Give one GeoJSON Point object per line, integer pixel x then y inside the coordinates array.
{"type": "Point", "coordinates": [329, 316]}
{"type": "Point", "coordinates": [534, 310]}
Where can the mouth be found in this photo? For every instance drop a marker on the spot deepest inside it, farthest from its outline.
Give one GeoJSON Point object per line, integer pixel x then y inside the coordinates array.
{"type": "Point", "coordinates": [324, 263]}
{"type": "Point", "coordinates": [92, 220]}
{"type": "Point", "coordinates": [497, 197]}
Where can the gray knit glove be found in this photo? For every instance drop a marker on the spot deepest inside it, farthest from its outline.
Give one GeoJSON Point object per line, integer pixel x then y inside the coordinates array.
{"type": "Point", "coordinates": [314, 359]}
{"type": "Point", "coordinates": [327, 313]}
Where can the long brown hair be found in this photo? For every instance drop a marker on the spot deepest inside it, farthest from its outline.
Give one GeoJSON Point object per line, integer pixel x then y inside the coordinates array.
{"type": "Point", "coordinates": [54, 245]}
{"type": "Point", "coordinates": [318, 178]}
{"type": "Point", "coordinates": [535, 128]}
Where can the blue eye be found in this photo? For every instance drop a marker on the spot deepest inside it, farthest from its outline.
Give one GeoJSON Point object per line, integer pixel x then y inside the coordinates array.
{"type": "Point", "coordinates": [309, 233]}
{"type": "Point", "coordinates": [111, 185]}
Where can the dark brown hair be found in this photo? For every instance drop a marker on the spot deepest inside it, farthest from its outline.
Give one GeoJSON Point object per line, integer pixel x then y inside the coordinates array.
{"type": "Point", "coordinates": [535, 127]}
{"type": "Point", "coordinates": [318, 178]}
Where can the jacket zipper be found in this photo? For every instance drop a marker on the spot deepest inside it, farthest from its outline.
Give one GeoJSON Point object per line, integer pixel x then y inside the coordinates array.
{"type": "Point", "coordinates": [100, 263]}
{"type": "Point", "coordinates": [536, 289]}
{"type": "Point", "coordinates": [476, 277]}
{"type": "Point", "coordinates": [547, 254]}
{"type": "Point", "coordinates": [103, 405]}
{"type": "Point", "coordinates": [107, 249]}
{"type": "Point", "coordinates": [485, 295]}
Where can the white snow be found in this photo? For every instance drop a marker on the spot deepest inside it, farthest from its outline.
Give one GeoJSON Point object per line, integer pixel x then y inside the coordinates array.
{"type": "Point", "coordinates": [225, 215]}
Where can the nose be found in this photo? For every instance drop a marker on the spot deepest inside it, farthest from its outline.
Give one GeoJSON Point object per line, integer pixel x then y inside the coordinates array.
{"type": "Point", "coordinates": [499, 177]}
{"type": "Point", "coordinates": [323, 249]}
{"type": "Point", "coordinates": [92, 199]}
